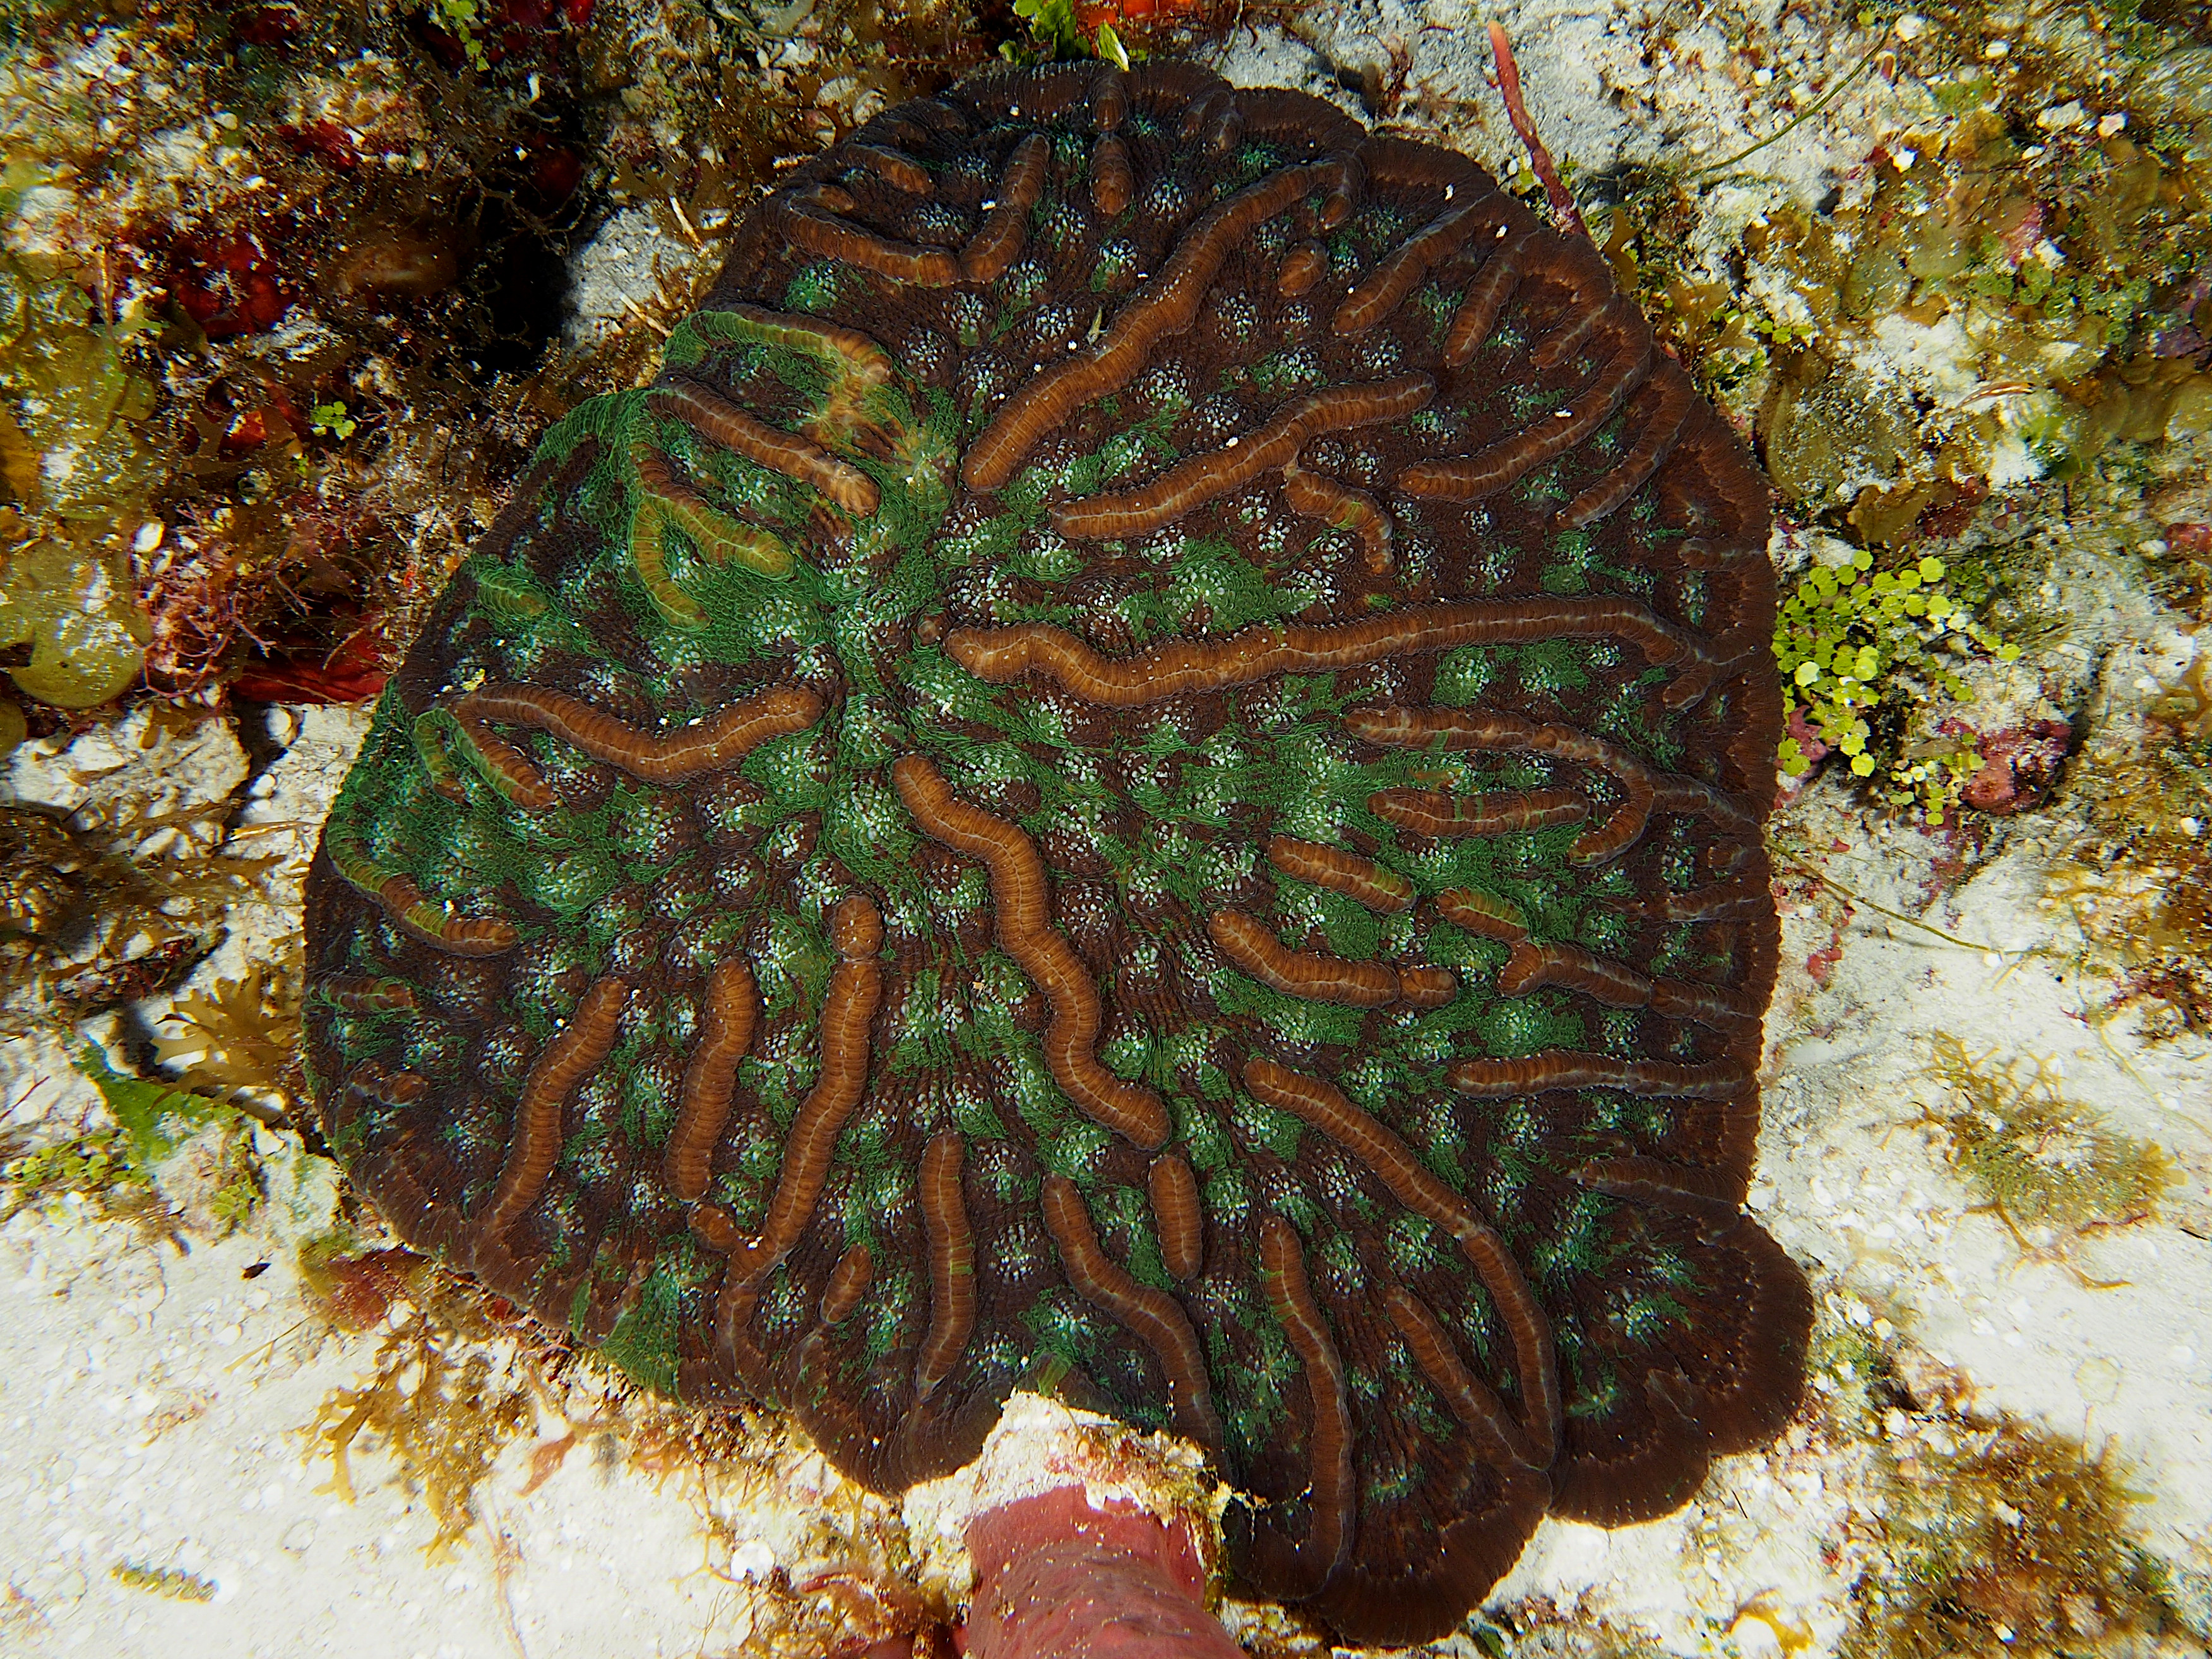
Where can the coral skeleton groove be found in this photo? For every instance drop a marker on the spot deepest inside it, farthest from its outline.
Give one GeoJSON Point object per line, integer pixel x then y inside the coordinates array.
{"type": "Point", "coordinates": [849, 353]}
{"type": "Point", "coordinates": [1652, 1179]}
{"type": "Point", "coordinates": [895, 167]}
{"type": "Point", "coordinates": [1216, 123]}
{"type": "Point", "coordinates": [434, 731]}
{"type": "Point", "coordinates": [999, 243]}
{"type": "Point", "coordinates": [1328, 1436]}
{"type": "Point", "coordinates": [1109, 102]}
{"type": "Point", "coordinates": [361, 994]}
{"type": "Point", "coordinates": [1156, 1316]}
{"type": "Point", "coordinates": [1427, 987]}
{"type": "Point", "coordinates": [1208, 477]}
{"type": "Point", "coordinates": [1360, 880]}
{"type": "Point", "coordinates": [952, 1264]}
{"type": "Point", "coordinates": [1246, 941]}
{"type": "Point", "coordinates": [847, 1283]}
{"type": "Point", "coordinates": [1017, 890]}
{"type": "Point", "coordinates": [709, 1076]}
{"type": "Point", "coordinates": [1554, 1069]}
{"type": "Point", "coordinates": [720, 422]}
{"type": "Point", "coordinates": [507, 768]}
{"type": "Point", "coordinates": [1700, 903]}
{"type": "Point", "coordinates": [1168, 305]}
{"type": "Point", "coordinates": [1001, 655]}
{"type": "Point", "coordinates": [370, 1081]}
{"type": "Point", "coordinates": [1302, 268]}
{"type": "Point", "coordinates": [1469, 1398]}
{"type": "Point", "coordinates": [1341, 507]}
{"type": "Point", "coordinates": [1647, 789]}
{"type": "Point", "coordinates": [833, 237]}
{"type": "Point", "coordinates": [403, 900]}
{"type": "Point", "coordinates": [847, 1007]}
{"type": "Point", "coordinates": [1111, 181]}
{"type": "Point", "coordinates": [1593, 315]}
{"type": "Point", "coordinates": [677, 756]}
{"type": "Point", "coordinates": [1486, 298]}
{"type": "Point", "coordinates": [1178, 1215]}
{"type": "Point", "coordinates": [711, 1226]}
{"type": "Point", "coordinates": [666, 500]}
{"type": "Point", "coordinates": [1382, 292]}
{"type": "Point", "coordinates": [1472, 477]}
{"type": "Point", "coordinates": [1615, 984]}
{"type": "Point", "coordinates": [1316, 1103]}
{"type": "Point", "coordinates": [568, 1060]}
{"type": "Point", "coordinates": [1433, 812]}
{"type": "Point", "coordinates": [1485, 913]}
{"type": "Point", "coordinates": [1094, 790]}
{"type": "Point", "coordinates": [1672, 397]}
{"type": "Point", "coordinates": [651, 516]}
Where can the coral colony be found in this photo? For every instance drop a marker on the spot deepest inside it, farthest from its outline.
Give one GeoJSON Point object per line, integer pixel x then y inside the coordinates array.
{"type": "Point", "coordinates": [1137, 777]}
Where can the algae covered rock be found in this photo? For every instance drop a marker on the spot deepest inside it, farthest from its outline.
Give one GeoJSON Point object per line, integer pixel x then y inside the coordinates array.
{"type": "Point", "coordinates": [74, 465]}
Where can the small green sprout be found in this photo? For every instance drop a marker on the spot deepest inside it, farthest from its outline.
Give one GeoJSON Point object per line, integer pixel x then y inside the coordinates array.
{"type": "Point", "coordinates": [232, 1204]}
{"type": "Point", "coordinates": [330, 421]}
{"type": "Point", "coordinates": [464, 20]}
{"type": "Point", "coordinates": [154, 1118]}
{"type": "Point", "coordinates": [171, 1582]}
{"type": "Point", "coordinates": [1846, 640]}
{"type": "Point", "coordinates": [92, 1167]}
{"type": "Point", "coordinates": [1054, 27]}
{"type": "Point", "coordinates": [1782, 333]}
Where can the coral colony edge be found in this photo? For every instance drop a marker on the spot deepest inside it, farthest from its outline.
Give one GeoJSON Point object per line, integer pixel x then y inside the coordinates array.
{"type": "Point", "coordinates": [1139, 775]}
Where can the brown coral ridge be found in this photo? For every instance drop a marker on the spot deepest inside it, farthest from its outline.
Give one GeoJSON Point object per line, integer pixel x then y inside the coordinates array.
{"type": "Point", "coordinates": [1141, 775]}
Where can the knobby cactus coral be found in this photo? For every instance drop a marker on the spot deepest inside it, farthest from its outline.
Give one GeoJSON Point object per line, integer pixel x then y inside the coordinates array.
{"type": "Point", "coordinates": [1139, 775]}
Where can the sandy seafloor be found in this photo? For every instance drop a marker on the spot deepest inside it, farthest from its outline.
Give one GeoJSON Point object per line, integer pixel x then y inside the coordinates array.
{"type": "Point", "coordinates": [155, 1400]}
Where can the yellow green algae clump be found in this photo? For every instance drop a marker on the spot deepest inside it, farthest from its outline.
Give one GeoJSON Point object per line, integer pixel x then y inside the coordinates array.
{"type": "Point", "coordinates": [1848, 641]}
{"type": "Point", "coordinates": [1979, 1534]}
{"type": "Point", "coordinates": [2135, 879]}
{"type": "Point", "coordinates": [75, 464]}
{"type": "Point", "coordinates": [2006, 289]}
{"type": "Point", "coordinates": [2050, 1169]}
{"type": "Point", "coordinates": [2009, 1542]}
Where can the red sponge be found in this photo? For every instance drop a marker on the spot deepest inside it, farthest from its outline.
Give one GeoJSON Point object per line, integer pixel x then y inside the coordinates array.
{"type": "Point", "coordinates": [1056, 1578]}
